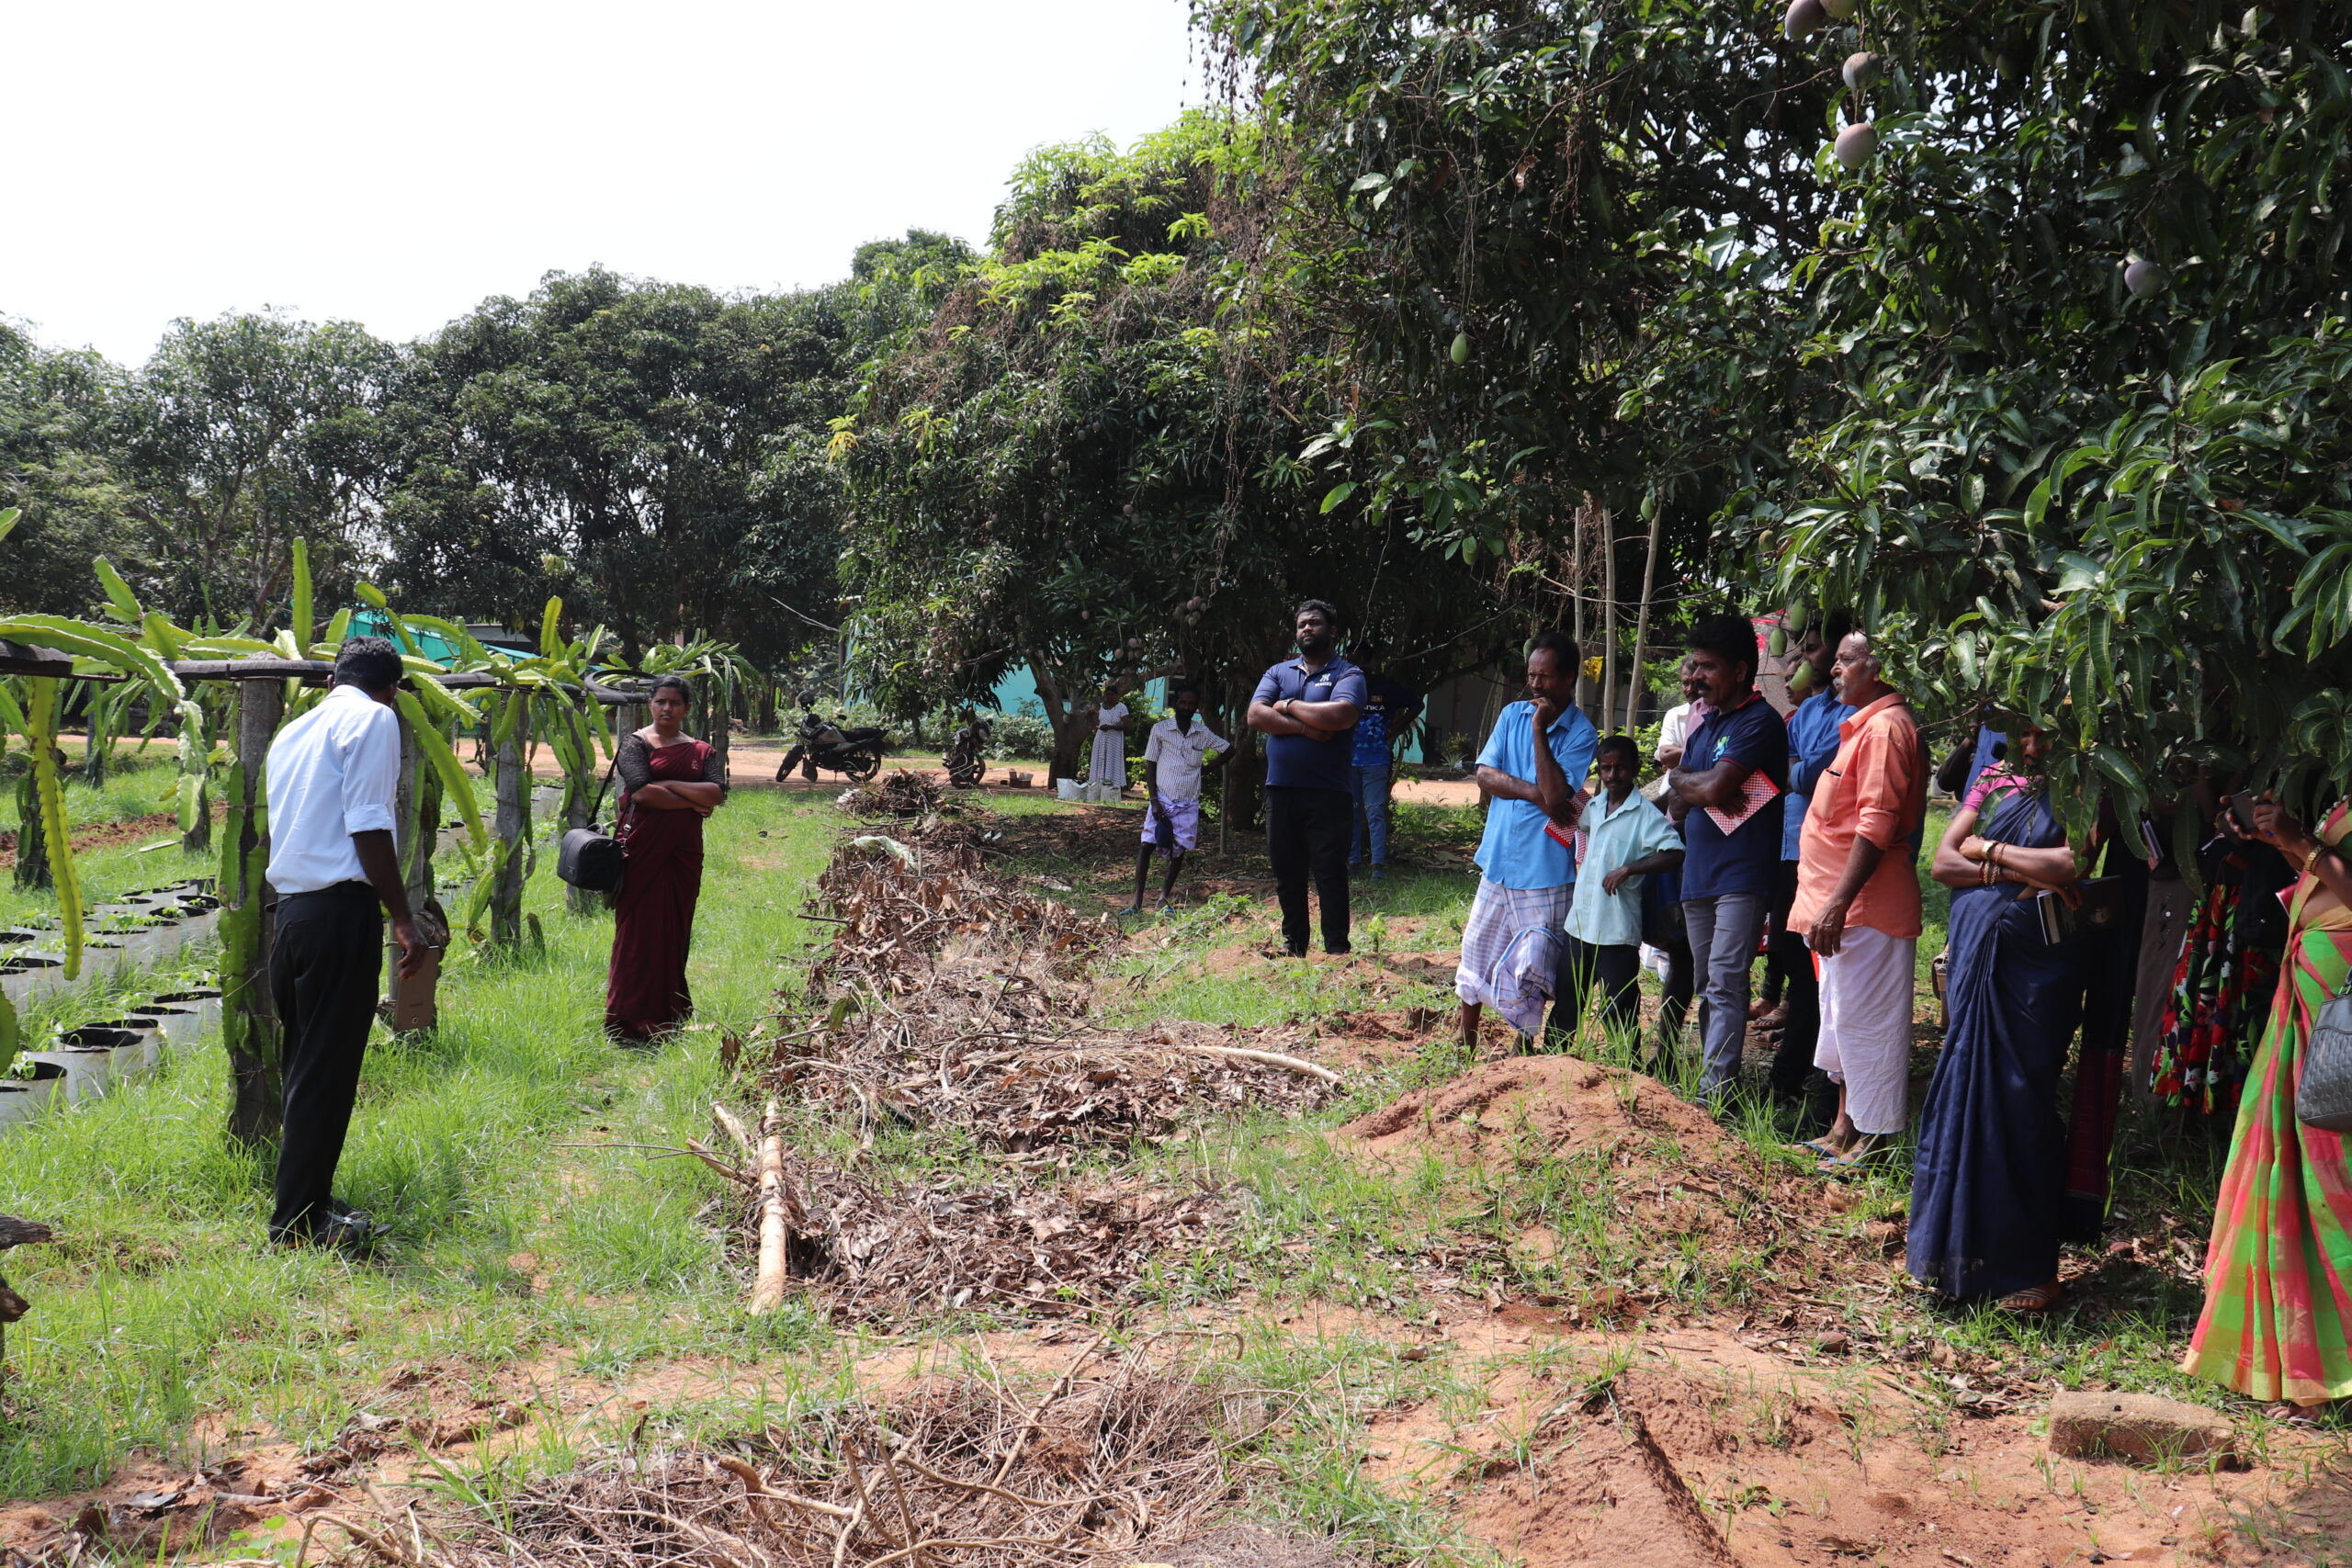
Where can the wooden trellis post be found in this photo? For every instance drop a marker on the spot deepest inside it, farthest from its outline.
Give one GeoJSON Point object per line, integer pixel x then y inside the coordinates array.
{"type": "Point", "coordinates": [249, 1026]}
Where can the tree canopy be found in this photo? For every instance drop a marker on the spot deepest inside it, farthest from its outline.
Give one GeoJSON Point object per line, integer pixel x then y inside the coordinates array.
{"type": "Point", "coordinates": [2019, 327]}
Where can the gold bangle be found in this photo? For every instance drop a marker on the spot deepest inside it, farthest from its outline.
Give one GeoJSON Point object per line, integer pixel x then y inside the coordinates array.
{"type": "Point", "coordinates": [2311, 860]}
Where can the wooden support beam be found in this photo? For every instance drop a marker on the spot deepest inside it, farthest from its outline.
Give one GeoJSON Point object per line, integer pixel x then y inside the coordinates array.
{"type": "Point", "coordinates": [310, 671]}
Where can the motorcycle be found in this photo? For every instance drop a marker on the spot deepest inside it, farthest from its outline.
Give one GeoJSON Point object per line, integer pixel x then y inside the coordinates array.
{"type": "Point", "coordinates": [966, 766]}
{"type": "Point", "coordinates": [826, 743]}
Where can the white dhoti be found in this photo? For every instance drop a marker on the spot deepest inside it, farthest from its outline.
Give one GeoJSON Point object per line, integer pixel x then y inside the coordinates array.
{"type": "Point", "coordinates": [1510, 950]}
{"type": "Point", "coordinates": [1865, 1040]}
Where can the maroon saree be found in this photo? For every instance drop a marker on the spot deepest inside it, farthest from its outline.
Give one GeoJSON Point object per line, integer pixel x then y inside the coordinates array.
{"type": "Point", "coordinates": [653, 914]}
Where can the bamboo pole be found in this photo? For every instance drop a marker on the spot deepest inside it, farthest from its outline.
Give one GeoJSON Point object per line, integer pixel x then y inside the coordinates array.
{"type": "Point", "coordinates": [1642, 617]}
{"type": "Point", "coordinates": [1607, 619]}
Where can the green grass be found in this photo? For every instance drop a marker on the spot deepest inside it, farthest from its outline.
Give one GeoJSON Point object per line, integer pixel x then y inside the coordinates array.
{"type": "Point", "coordinates": [162, 1325]}
{"type": "Point", "coordinates": [162, 1303]}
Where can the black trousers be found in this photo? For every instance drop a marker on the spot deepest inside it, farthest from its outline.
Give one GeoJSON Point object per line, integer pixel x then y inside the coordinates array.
{"type": "Point", "coordinates": [1308, 830]}
{"type": "Point", "coordinates": [1619, 971]}
{"type": "Point", "coordinates": [1799, 994]}
{"type": "Point", "coordinates": [326, 967]}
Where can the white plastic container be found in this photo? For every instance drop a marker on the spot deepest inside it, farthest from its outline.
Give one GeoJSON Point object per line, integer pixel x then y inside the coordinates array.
{"type": "Point", "coordinates": [1069, 789]}
{"type": "Point", "coordinates": [21, 1099]}
{"type": "Point", "coordinates": [25, 977]}
{"type": "Point", "coordinates": [141, 1054]}
{"type": "Point", "coordinates": [179, 1025]}
{"type": "Point", "coordinates": [88, 1068]}
{"type": "Point", "coordinates": [204, 1000]}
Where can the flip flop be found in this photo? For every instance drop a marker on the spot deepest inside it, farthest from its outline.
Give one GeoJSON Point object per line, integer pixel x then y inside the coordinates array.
{"type": "Point", "coordinates": [1819, 1148]}
{"type": "Point", "coordinates": [1849, 1163]}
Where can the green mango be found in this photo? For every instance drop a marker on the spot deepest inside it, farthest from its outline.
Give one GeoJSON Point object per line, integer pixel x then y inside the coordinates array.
{"type": "Point", "coordinates": [1461, 350]}
{"type": "Point", "coordinates": [1777, 643]}
{"type": "Point", "coordinates": [1796, 620]}
{"type": "Point", "coordinates": [1801, 678]}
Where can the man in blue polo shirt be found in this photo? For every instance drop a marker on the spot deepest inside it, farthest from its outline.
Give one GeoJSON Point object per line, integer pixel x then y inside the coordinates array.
{"type": "Point", "coordinates": [1307, 708]}
{"type": "Point", "coordinates": [1511, 943]}
{"type": "Point", "coordinates": [1731, 786]}
{"type": "Point", "coordinates": [1812, 745]}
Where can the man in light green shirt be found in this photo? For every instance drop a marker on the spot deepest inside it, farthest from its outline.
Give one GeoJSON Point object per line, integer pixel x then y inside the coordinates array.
{"type": "Point", "coordinates": [1622, 839]}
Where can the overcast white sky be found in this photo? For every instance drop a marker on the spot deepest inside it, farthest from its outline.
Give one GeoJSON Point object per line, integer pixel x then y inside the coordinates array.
{"type": "Point", "coordinates": [393, 164]}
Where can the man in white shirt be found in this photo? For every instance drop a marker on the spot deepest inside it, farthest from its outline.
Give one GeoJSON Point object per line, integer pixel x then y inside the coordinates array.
{"type": "Point", "coordinates": [1180, 750]}
{"type": "Point", "coordinates": [331, 779]}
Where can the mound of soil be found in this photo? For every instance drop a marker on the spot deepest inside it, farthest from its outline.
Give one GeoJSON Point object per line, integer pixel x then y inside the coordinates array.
{"type": "Point", "coordinates": [1612, 1195]}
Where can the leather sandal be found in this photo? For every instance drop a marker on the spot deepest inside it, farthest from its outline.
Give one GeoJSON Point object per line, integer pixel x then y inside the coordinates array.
{"type": "Point", "coordinates": [2033, 1298]}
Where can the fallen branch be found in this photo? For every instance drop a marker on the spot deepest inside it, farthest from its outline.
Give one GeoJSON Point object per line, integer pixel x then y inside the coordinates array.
{"type": "Point", "coordinates": [1298, 1064]}
{"type": "Point", "coordinates": [776, 1238]}
{"type": "Point", "coordinates": [732, 1125]}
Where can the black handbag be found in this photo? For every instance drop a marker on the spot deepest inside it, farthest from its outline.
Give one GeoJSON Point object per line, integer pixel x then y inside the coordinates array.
{"type": "Point", "coordinates": [2323, 1091]}
{"type": "Point", "coordinates": [2101, 908]}
{"type": "Point", "coordinates": [589, 859]}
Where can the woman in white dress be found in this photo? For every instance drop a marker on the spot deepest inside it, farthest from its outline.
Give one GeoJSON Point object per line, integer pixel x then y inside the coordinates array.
{"type": "Point", "coordinates": [1109, 763]}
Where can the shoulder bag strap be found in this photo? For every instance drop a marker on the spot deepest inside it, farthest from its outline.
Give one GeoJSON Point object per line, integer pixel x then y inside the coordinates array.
{"type": "Point", "coordinates": [597, 808]}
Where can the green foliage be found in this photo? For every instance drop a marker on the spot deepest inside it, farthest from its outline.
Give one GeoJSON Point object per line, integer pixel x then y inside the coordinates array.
{"type": "Point", "coordinates": [1921, 387]}
{"type": "Point", "coordinates": [2125, 519]}
{"type": "Point", "coordinates": [240, 437]}
{"type": "Point", "coordinates": [654, 453]}
{"type": "Point", "coordinates": [1079, 466]}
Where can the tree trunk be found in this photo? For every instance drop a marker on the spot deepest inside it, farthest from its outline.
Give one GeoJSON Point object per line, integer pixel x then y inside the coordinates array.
{"type": "Point", "coordinates": [764, 707]}
{"type": "Point", "coordinates": [1071, 725]}
{"type": "Point", "coordinates": [249, 1025]}
{"type": "Point", "coordinates": [514, 831]}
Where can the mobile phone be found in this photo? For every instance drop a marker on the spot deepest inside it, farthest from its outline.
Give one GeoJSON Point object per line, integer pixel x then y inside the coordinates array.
{"type": "Point", "coordinates": [2242, 809]}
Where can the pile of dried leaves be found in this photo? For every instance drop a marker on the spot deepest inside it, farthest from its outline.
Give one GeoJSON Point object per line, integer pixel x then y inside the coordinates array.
{"type": "Point", "coordinates": [949, 998]}
{"type": "Point", "coordinates": [880, 1248]}
{"type": "Point", "coordinates": [896, 793]}
{"type": "Point", "coordinates": [956, 1473]}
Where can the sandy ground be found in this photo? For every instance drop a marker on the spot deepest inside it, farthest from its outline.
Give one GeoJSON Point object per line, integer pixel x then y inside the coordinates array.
{"type": "Point", "coordinates": [752, 764]}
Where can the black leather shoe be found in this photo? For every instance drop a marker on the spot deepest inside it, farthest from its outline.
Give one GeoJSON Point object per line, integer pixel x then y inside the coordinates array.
{"type": "Point", "coordinates": [354, 1236]}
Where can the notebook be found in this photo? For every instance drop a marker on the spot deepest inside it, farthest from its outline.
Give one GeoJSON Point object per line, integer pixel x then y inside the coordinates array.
{"type": "Point", "coordinates": [1575, 842]}
{"type": "Point", "coordinates": [1755, 791]}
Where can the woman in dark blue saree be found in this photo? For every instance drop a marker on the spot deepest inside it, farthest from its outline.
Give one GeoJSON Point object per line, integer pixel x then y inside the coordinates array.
{"type": "Point", "coordinates": [1989, 1188]}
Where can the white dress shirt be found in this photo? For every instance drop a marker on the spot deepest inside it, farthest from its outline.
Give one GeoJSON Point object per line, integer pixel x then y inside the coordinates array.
{"type": "Point", "coordinates": [332, 773]}
{"type": "Point", "coordinates": [1181, 755]}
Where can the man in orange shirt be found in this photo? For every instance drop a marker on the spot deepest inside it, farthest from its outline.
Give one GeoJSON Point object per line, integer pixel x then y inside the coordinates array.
{"type": "Point", "coordinates": [1858, 903]}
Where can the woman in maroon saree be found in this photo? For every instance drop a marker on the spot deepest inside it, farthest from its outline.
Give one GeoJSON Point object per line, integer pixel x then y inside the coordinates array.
{"type": "Point", "coordinates": [670, 782]}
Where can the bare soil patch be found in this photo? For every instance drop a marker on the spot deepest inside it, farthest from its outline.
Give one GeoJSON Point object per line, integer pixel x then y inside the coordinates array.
{"type": "Point", "coordinates": [112, 835]}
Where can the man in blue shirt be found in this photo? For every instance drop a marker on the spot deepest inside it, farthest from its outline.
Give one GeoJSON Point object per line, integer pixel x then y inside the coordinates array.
{"type": "Point", "coordinates": [1813, 746]}
{"type": "Point", "coordinates": [1389, 710]}
{"type": "Point", "coordinates": [1306, 707]}
{"type": "Point", "coordinates": [1511, 943]}
{"type": "Point", "coordinates": [1731, 787]}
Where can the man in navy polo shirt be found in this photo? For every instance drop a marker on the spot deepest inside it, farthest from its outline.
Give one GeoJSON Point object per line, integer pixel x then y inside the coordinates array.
{"type": "Point", "coordinates": [1307, 708]}
{"type": "Point", "coordinates": [1732, 786]}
